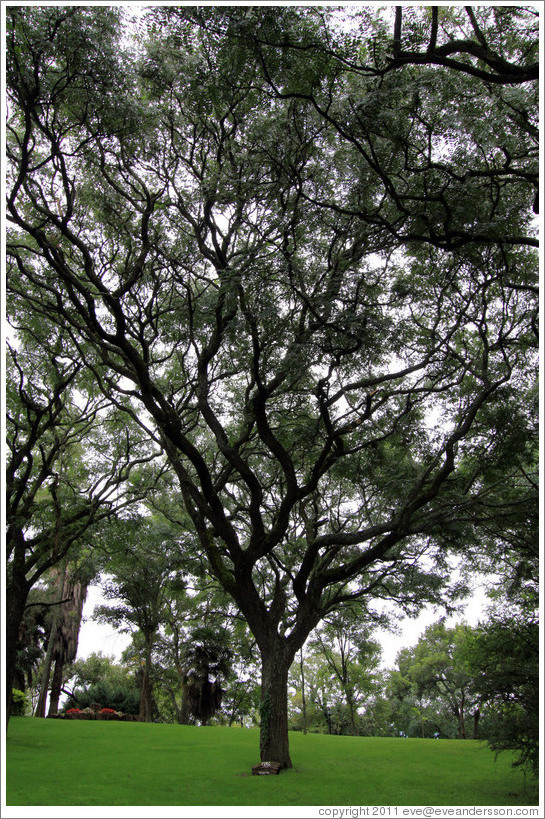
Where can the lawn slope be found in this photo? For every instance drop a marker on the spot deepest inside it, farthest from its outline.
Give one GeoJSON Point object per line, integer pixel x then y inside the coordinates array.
{"type": "Point", "coordinates": [117, 763]}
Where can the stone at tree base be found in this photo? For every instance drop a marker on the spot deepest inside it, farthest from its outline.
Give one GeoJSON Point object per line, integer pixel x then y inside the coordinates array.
{"type": "Point", "coordinates": [266, 768]}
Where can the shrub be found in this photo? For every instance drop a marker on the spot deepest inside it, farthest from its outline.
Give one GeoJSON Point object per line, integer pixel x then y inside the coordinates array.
{"type": "Point", "coordinates": [107, 695]}
{"type": "Point", "coordinates": [19, 703]}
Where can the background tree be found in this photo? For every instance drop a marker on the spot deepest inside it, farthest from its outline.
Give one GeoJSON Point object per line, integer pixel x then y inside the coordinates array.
{"type": "Point", "coordinates": [196, 604]}
{"type": "Point", "coordinates": [438, 675]}
{"type": "Point", "coordinates": [100, 681]}
{"type": "Point", "coordinates": [343, 641]}
{"type": "Point", "coordinates": [312, 285]}
{"type": "Point", "coordinates": [97, 668]}
{"type": "Point", "coordinates": [314, 714]}
{"type": "Point", "coordinates": [207, 664]}
{"type": "Point", "coordinates": [69, 585]}
{"type": "Point", "coordinates": [144, 564]}
{"type": "Point", "coordinates": [503, 656]}
{"type": "Point", "coordinates": [503, 651]}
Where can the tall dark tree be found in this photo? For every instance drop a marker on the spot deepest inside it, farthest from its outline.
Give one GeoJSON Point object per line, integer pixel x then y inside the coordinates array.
{"type": "Point", "coordinates": [311, 281]}
{"type": "Point", "coordinates": [31, 639]}
{"type": "Point", "coordinates": [207, 664]}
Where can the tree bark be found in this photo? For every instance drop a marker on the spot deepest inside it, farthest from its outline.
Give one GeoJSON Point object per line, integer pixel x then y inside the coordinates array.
{"type": "Point", "coordinates": [461, 717]}
{"type": "Point", "coordinates": [303, 695]}
{"type": "Point", "coordinates": [16, 597]}
{"type": "Point", "coordinates": [145, 711]}
{"type": "Point", "coordinates": [352, 711]}
{"type": "Point", "coordinates": [46, 673]}
{"type": "Point", "coordinates": [56, 619]}
{"type": "Point", "coordinates": [56, 686]}
{"type": "Point", "coordinates": [476, 718]}
{"type": "Point", "coordinates": [273, 740]}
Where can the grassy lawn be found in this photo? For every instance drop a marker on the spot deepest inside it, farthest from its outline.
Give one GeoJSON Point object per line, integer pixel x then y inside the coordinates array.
{"type": "Point", "coordinates": [116, 763]}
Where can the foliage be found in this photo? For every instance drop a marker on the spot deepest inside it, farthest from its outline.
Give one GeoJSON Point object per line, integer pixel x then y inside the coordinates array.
{"type": "Point", "coordinates": [489, 672]}
{"type": "Point", "coordinates": [145, 572]}
{"type": "Point", "coordinates": [67, 469]}
{"type": "Point", "coordinates": [337, 674]}
{"type": "Point", "coordinates": [98, 668]}
{"type": "Point", "coordinates": [68, 587]}
{"type": "Point", "coordinates": [503, 656]}
{"type": "Point", "coordinates": [20, 703]}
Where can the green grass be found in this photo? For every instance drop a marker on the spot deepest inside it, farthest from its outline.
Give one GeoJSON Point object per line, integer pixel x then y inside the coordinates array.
{"type": "Point", "coordinates": [115, 763]}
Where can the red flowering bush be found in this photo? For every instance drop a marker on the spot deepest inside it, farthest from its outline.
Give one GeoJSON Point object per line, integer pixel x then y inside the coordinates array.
{"type": "Point", "coordinates": [73, 711]}
{"type": "Point", "coordinates": [107, 711]}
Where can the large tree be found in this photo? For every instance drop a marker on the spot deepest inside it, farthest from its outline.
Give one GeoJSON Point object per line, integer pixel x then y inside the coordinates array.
{"type": "Point", "coordinates": [312, 282]}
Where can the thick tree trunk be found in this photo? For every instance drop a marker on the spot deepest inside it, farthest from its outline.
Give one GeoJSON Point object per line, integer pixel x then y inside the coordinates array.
{"type": "Point", "coordinates": [16, 597]}
{"type": "Point", "coordinates": [273, 740]}
{"type": "Point", "coordinates": [144, 714]}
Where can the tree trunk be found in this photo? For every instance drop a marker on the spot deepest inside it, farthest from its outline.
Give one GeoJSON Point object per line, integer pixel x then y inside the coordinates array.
{"type": "Point", "coordinates": [273, 740]}
{"type": "Point", "coordinates": [44, 688]}
{"type": "Point", "coordinates": [59, 573]}
{"type": "Point", "coordinates": [303, 697]}
{"type": "Point", "coordinates": [461, 717]}
{"type": "Point", "coordinates": [16, 597]}
{"type": "Point", "coordinates": [56, 685]}
{"type": "Point", "coordinates": [184, 706]}
{"type": "Point", "coordinates": [145, 712]}
{"type": "Point", "coordinates": [476, 718]}
{"type": "Point", "coordinates": [352, 711]}
{"type": "Point", "coordinates": [48, 661]}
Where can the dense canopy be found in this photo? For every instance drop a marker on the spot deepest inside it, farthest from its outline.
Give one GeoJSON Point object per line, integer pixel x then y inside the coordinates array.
{"type": "Point", "coordinates": [297, 247]}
